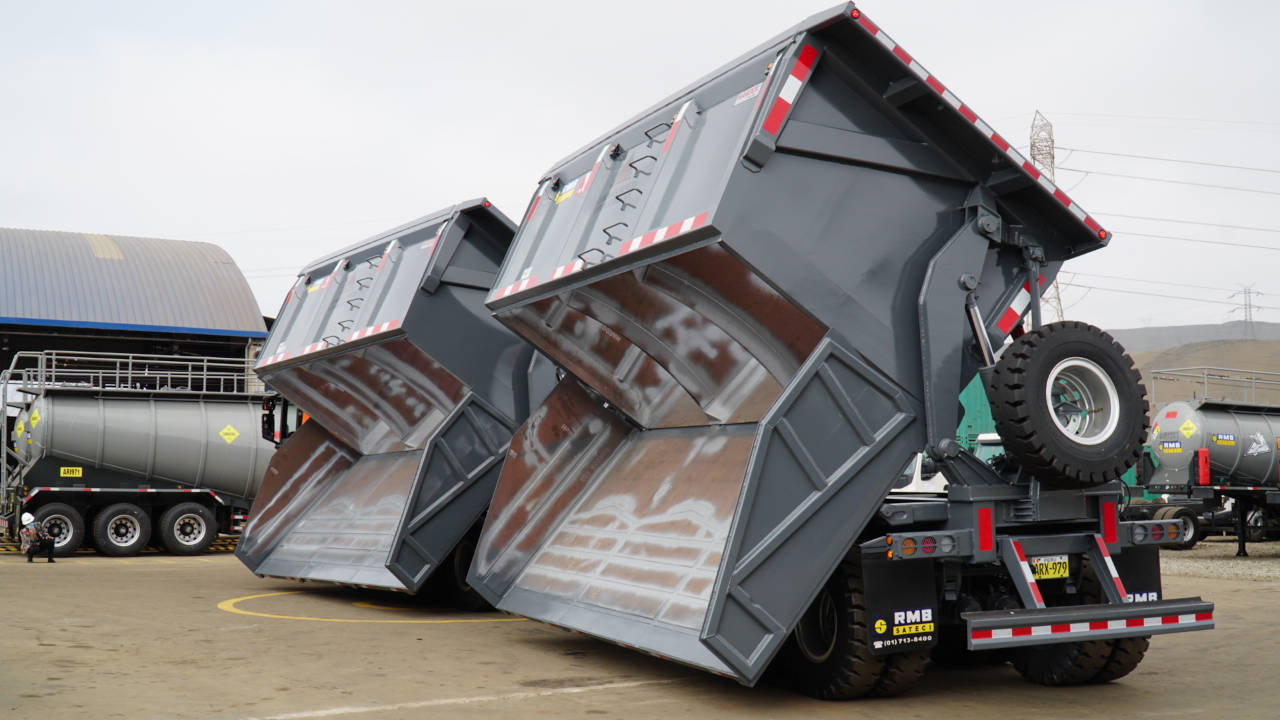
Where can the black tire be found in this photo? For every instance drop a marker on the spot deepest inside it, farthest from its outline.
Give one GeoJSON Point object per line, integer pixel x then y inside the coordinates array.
{"type": "Point", "coordinates": [1126, 654]}
{"type": "Point", "coordinates": [1194, 532]}
{"type": "Point", "coordinates": [901, 672]}
{"type": "Point", "coordinates": [828, 655]}
{"type": "Point", "coordinates": [1068, 663]}
{"type": "Point", "coordinates": [188, 528]}
{"type": "Point", "coordinates": [1255, 525]}
{"type": "Point", "coordinates": [1069, 405]}
{"type": "Point", "coordinates": [64, 524]}
{"type": "Point", "coordinates": [121, 530]}
{"type": "Point", "coordinates": [463, 596]}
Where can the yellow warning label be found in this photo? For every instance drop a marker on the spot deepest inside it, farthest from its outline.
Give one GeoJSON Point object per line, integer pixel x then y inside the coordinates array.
{"type": "Point", "coordinates": [70, 472]}
{"type": "Point", "coordinates": [229, 434]}
{"type": "Point", "coordinates": [913, 629]}
{"type": "Point", "coordinates": [19, 429]}
{"type": "Point", "coordinates": [881, 626]}
{"type": "Point", "coordinates": [1188, 428]}
{"type": "Point", "coordinates": [35, 418]}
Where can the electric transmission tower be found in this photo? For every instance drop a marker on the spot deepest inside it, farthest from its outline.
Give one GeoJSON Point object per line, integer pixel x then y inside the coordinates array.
{"type": "Point", "coordinates": [1247, 306]}
{"type": "Point", "coordinates": [1042, 157]}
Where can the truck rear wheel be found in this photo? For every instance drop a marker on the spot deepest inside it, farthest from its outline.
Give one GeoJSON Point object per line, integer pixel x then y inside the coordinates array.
{"type": "Point", "coordinates": [1126, 654]}
{"type": "Point", "coordinates": [188, 528]}
{"type": "Point", "coordinates": [1068, 663]}
{"type": "Point", "coordinates": [121, 530]}
{"type": "Point", "coordinates": [1069, 405]}
{"type": "Point", "coordinates": [1192, 534]}
{"type": "Point", "coordinates": [64, 524]}
{"type": "Point", "coordinates": [460, 592]}
{"type": "Point", "coordinates": [828, 655]}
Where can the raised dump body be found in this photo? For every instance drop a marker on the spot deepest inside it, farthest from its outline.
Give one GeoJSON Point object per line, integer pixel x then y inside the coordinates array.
{"type": "Point", "coordinates": [412, 390]}
{"type": "Point", "coordinates": [768, 291]}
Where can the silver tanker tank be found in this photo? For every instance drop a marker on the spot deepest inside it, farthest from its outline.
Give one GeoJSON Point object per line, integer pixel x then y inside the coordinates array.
{"type": "Point", "coordinates": [191, 443]}
{"type": "Point", "coordinates": [1240, 443]}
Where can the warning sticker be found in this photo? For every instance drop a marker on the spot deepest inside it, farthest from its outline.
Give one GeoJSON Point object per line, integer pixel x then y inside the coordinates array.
{"type": "Point", "coordinates": [1224, 439]}
{"type": "Point", "coordinates": [229, 434]}
{"type": "Point", "coordinates": [19, 429]}
{"type": "Point", "coordinates": [35, 417]}
{"type": "Point", "coordinates": [1188, 428]}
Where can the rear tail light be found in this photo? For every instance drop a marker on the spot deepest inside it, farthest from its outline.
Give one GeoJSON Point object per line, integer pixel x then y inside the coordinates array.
{"type": "Point", "coordinates": [928, 545]}
{"type": "Point", "coordinates": [1157, 532]}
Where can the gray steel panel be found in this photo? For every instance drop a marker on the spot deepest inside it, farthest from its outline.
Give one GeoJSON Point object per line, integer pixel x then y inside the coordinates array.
{"type": "Point", "coordinates": [128, 283]}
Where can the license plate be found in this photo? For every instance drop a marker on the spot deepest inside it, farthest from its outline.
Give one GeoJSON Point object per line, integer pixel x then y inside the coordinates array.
{"type": "Point", "coordinates": [1050, 567]}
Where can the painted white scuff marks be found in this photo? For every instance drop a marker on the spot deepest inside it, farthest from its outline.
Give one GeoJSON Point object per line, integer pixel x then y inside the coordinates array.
{"type": "Point", "coordinates": [647, 538]}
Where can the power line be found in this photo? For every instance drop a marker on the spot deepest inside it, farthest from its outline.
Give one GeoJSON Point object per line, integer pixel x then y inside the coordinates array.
{"type": "Point", "coordinates": [1151, 282]}
{"type": "Point", "coordinates": [1163, 295]}
{"type": "Point", "coordinates": [1190, 222]}
{"type": "Point", "coordinates": [1172, 182]}
{"type": "Point", "coordinates": [1227, 243]}
{"type": "Point", "coordinates": [1170, 160]}
{"type": "Point", "coordinates": [1173, 118]}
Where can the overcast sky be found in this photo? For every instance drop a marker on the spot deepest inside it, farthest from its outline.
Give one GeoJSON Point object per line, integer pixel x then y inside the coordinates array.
{"type": "Point", "coordinates": [285, 130]}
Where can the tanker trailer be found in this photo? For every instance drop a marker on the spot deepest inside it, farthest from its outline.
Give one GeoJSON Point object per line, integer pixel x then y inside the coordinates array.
{"type": "Point", "coordinates": [123, 449]}
{"type": "Point", "coordinates": [412, 390]}
{"type": "Point", "coordinates": [1207, 452]}
{"type": "Point", "coordinates": [767, 292]}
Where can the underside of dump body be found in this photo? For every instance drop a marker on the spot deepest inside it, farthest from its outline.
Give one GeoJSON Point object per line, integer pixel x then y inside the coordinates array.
{"type": "Point", "coordinates": [768, 291]}
{"type": "Point", "coordinates": [412, 391]}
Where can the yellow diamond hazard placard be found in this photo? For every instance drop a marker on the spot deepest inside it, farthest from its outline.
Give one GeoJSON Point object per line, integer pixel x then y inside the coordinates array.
{"type": "Point", "coordinates": [35, 417]}
{"type": "Point", "coordinates": [1188, 428]}
{"type": "Point", "coordinates": [229, 434]}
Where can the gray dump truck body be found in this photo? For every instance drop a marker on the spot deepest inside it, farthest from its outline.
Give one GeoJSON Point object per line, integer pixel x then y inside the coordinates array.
{"type": "Point", "coordinates": [412, 391]}
{"type": "Point", "coordinates": [153, 431]}
{"type": "Point", "coordinates": [765, 290]}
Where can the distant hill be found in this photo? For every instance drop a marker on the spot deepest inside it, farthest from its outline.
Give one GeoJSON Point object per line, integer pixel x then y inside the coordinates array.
{"type": "Point", "coordinates": [1246, 356]}
{"type": "Point", "coordinates": [1137, 340]}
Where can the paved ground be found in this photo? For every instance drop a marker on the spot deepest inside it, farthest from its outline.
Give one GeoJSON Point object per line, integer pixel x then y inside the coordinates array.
{"type": "Point", "coordinates": [166, 637]}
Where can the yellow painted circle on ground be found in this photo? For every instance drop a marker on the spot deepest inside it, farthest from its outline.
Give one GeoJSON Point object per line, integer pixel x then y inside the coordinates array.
{"type": "Point", "coordinates": [232, 606]}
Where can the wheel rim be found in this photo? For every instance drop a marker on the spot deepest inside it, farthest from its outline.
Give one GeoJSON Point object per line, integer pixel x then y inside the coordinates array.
{"type": "Point", "coordinates": [189, 529]}
{"type": "Point", "coordinates": [816, 631]}
{"type": "Point", "coordinates": [123, 530]}
{"type": "Point", "coordinates": [1189, 529]}
{"type": "Point", "coordinates": [58, 527]}
{"type": "Point", "coordinates": [1083, 401]}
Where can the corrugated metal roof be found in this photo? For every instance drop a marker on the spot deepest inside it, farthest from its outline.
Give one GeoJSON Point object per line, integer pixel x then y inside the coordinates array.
{"type": "Point", "coordinates": [115, 282]}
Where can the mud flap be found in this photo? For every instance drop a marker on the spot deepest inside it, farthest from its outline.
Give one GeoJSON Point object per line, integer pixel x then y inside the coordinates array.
{"type": "Point", "coordinates": [902, 604]}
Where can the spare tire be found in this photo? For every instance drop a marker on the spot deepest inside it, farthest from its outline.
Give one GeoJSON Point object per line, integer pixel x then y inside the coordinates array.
{"type": "Point", "coordinates": [1069, 405]}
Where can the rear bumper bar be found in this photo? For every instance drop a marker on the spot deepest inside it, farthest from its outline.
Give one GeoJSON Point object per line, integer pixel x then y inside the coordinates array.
{"type": "Point", "coordinates": [1016, 628]}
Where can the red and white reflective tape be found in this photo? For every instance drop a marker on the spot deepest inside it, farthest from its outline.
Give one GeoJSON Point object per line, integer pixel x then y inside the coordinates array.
{"type": "Point", "coordinates": [37, 491]}
{"type": "Point", "coordinates": [385, 253]}
{"type": "Point", "coordinates": [675, 229]}
{"type": "Point", "coordinates": [675, 125]}
{"type": "Point", "coordinates": [1111, 567]}
{"type": "Point", "coordinates": [1238, 487]}
{"type": "Point", "coordinates": [1085, 628]}
{"type": "Point", "coordinates": [374, 330]}
{"type": "Point", "coordinates": [314, 347]}
{"type": "Point", "coordinates": [536, 199]}
{"type": "Point", "coordinates": [1013, 313]}
{"type": "Point", "coordinates": [568, 269]}
{"type": "Point", "coordinates": [950, 98]}
{"type": "Point", "coordinates": [1028, 574]}
{"type": "Point", "coordinates": [790, 89]}
{"type": "Point", "coordinates": [272, 359]}
{"type": "Point", "coordinates": [594, 169]}
{"type": "Point", "coordinates": [516, 287]}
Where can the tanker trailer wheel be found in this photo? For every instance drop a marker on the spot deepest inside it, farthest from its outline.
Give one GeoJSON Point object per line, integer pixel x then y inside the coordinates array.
{"type": "Point", "coordinates": [462, 594]}
{"type": "Point", "coordinates": [828, 655]}
{"type": "Point", "coordinates": [121, 530]}
{"type": "Point", "coordinates": [64, 524]}
{"type": "Point", "coordinates": [188, 528]}
{"type": "Point", "coordinates": [1069, 405]}
{"type": "Point", "coordinates": [1193, 532]}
